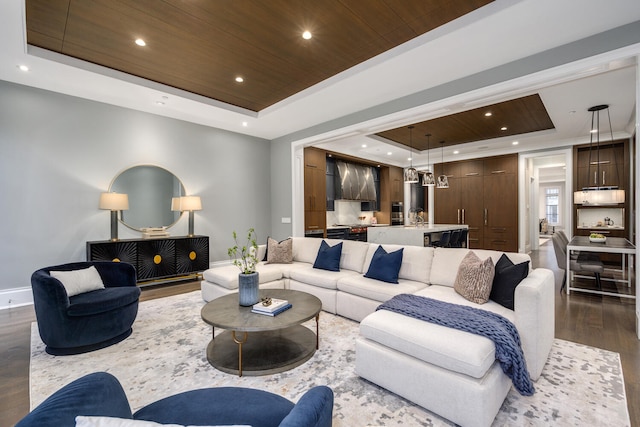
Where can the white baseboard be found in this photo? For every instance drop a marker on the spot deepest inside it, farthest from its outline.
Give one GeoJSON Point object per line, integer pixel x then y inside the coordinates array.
{"type": "Point", "coordinates": [16, 297]}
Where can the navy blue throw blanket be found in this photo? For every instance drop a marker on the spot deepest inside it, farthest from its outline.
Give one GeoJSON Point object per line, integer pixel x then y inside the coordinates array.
{"type": "Point", "coordinates": [480, 322]}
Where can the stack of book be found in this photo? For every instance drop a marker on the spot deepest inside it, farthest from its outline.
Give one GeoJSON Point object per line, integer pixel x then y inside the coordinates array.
{"type": "Point", "coordinates": [275, 307]}
{"type": "Point", "coordinates": [154, 232]}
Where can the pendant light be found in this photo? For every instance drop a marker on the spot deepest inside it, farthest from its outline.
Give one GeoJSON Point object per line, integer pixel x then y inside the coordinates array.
{"type": "Point", "coordinates": [443, 181]}
{"type": "Point", "coordinates": [428, 179]}
{"type": "Point", "coordinates": [598, 194]}
{"type": "Point", "coordinates": [411, 174]}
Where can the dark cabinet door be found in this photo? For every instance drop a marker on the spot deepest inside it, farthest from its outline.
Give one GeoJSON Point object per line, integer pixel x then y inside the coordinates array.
{"type": "Point", "coordinates": [472, 204]}
{"type": "Point", "coordinates": [156, 258]}
{"type": "Point", "coordinates": [113, 251]}
{"type": "Point", "coordinates": [192, 254]}
{"type": "Point", "coordinates": [417, 196]}
{"type": "Point", "coordinates": [447, 203]}
{"type": "Point", "coordinates": [501, 212]}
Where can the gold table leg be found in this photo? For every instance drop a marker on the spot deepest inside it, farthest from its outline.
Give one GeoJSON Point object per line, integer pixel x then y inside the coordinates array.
{"type": "Point", "coordinates": [239, 342]}
{"type": "Point", "coordinates": [317, 331]}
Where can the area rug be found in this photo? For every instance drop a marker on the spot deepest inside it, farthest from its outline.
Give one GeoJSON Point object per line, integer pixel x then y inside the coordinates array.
{"type": "Point", "coordinates": [580, 385]}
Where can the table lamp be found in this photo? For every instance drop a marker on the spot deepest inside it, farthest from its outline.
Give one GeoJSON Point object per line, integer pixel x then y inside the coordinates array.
{"type": "Point", "coordinates": [114, 202]}
{"type": "Point", "coordinates": [188, 204]}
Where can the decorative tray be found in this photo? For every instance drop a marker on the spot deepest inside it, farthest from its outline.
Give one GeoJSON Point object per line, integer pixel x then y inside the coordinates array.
{"type": "Point", "coordinates": [597, 239]}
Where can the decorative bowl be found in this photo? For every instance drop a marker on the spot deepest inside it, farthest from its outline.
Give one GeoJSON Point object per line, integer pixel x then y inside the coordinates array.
{"type": "Point", "coordinates": [597, 239]}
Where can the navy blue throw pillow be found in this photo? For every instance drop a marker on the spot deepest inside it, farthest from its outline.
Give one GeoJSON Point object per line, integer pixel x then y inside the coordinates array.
{"type": "Point", "coordinates": [328, 257]}
{"type": "Point", "coordinates": [506, 279]}
{"type": "Point", "coordinates": [385, 266]}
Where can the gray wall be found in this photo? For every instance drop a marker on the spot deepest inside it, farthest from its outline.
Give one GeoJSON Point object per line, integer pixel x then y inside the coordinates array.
{"type": "Point", "coordinates": [281, 189]}
{"type": "Point", "coordinates": [58, 153]}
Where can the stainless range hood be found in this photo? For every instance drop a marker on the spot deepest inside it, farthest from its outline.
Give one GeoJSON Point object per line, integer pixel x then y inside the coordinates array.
{"type": "Point", "coordinates": [356, 182]}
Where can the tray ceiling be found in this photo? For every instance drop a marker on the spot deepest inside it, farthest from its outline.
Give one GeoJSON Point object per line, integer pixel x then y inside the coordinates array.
{"type": "Point", "coordinates": [202, 47]}
{"type": "Point", "coordinates": [514, 117]}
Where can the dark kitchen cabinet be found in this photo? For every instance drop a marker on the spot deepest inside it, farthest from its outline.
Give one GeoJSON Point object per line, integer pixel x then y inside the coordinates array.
{"type": "Point", "coordinates": [315, 189]}
{"type": "Point", "coordinates": [601, 168]}
{"type": "Point", "coordinates": [396, 184]}
{"type": "Point", "coordinates": [417, 197]}
{"type": "Point", "coordinates": [500, 185]}
{"type": "Point", "coordinates": [610, 166]}
{"type": "Point", "coordinates": [462, 202]}
{"type": "Point", "coordinates": [331, 183]}
{"type": "Point", "coordinates": [483, 194]}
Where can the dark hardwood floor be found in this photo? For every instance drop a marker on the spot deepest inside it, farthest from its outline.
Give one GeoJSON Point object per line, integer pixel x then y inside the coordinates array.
{"type": "Point", "coordinates": [604, 322]}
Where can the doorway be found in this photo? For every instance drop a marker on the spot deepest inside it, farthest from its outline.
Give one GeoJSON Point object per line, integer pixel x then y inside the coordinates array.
{"type": "Point", "coordinates": [546, 199]}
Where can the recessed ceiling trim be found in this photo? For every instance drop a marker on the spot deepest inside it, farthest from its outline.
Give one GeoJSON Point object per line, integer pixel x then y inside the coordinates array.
{"type": "Point", "coordinates": [128, 78]}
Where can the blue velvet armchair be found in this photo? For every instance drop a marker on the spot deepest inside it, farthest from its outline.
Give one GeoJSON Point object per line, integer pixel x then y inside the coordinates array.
{"type": "Point", "coordinates": [100, 394]}
{"type": "Point", "coordinates": [87, 321]}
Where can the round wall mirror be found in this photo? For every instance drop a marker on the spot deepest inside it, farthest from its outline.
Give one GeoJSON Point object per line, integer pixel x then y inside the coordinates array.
{"type": "Point", "coordinates": [150, 189]}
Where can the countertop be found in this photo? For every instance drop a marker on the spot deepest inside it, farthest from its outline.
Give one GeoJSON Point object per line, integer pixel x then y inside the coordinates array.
{"type": "Point", "coordinates": [408, 234]}
{"type": "Point", "coordinates": [427, 228]}
{"type": "Point", "coordinates": [600, 227]}
{"type": "Point", "coordinates": [339, 226]}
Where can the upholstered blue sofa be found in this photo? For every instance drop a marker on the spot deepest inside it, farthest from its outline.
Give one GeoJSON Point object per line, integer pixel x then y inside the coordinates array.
{"type": "Point", "coordinates": [90, 320]}
{"type": "Point", "coordinates": [101, 395]}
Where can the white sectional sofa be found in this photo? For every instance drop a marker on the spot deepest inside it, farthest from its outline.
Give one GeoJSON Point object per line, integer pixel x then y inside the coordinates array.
{"type": "Point", "coordinates": [449, 372]}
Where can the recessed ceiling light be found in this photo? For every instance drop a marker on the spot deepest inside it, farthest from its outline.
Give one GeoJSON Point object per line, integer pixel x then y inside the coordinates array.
{"type": "Point", "coordinates": [409, 159]}
{"type": "Point", "coordinates": [488, 114]}
{"type": "Point", "coordinates": [364, 145]}
{"type": "Point", "coordinates": [503, 128]}
{"type": "Point", "coordinates": [515, 143]}
{"type": "Point", "coordinates": [306, 35]}
{"type": "Point", "coordinates": [239, 79]}
{"type": "Point", "coordinates": [389, 153]}
{"type": "Point", "coordinates": [141, 42]}
{"type": "Point", "coordinates": [593, 131]}
{"type": "Point", "coordinates": [160, 103]}
{"type": "Point", "coordinates": [456, 152]}
{"type": "Point", "coordinates": [245, 124]}
{"type": "Point", "coordinates": [23, 68]}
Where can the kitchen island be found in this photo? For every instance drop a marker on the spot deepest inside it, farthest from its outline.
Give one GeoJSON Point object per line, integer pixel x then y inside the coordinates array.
{"type": "Point", "coordinates": [413, 235]}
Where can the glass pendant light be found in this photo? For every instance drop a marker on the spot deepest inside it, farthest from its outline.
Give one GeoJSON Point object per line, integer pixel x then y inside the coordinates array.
{"type": "Point", "coordinates": [411, 174]}
{"type": "Point", "coordinates": [443, 181]}
{"type": "Point", "coordinates": [428, 180]}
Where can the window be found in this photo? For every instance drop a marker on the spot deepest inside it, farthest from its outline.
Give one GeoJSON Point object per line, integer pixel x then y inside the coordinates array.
{"type": "Point", "coordinates": [552, 194]}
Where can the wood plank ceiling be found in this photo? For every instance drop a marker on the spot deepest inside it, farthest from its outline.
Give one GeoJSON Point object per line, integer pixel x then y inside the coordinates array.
{"type": "Point", "coordinates": [513, 117]}
{"type": "Point", "coordinates": [202, 46]}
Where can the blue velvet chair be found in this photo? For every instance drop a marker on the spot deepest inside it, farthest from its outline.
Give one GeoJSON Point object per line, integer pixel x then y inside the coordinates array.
{"type": "Point", "coordinates": [90, 320]}
{"type": "Point", "coordinates": [100, 394]}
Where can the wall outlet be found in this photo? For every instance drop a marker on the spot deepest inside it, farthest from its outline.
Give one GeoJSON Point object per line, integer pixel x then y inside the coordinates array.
{"type": "Point", "coordinates": [286, 220]}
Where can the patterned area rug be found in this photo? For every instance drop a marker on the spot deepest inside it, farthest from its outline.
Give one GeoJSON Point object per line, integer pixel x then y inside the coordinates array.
{"type": "Point", "coordinates": [580, 385]}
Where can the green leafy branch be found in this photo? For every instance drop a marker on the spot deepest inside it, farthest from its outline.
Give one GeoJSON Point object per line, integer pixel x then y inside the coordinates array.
{"type": "Point", "coordinates": [245, 257]}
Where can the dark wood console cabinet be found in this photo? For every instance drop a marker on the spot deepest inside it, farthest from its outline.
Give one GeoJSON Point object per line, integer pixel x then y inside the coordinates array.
{"type": "Point", "coordinates": [160, 259]}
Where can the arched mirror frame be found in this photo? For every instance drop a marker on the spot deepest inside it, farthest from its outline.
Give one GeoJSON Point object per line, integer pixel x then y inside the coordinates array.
{"type": "Point", "coordinates": [146, 197]}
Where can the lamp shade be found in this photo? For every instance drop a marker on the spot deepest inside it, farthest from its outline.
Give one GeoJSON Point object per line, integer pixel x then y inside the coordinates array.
{"type": "Point", "coordinates": [190, 203]}
{"type": "Point", "coordinates": [410, 175]}
{"type": "Point", "coordinates": [428, 180]}
{"type": "Point", "coordinates": [114, 201]}
{"type": "Point", "coordinates": [175, 204]}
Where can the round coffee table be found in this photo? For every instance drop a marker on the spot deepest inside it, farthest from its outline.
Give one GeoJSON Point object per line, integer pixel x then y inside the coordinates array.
{"type": "Point", "coordinates": [255, 344]}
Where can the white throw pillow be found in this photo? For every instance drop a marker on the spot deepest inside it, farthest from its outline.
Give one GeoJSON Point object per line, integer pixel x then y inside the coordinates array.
{"type": "Point", "coordinates": [79, 281]}
{"type": "Point", "coordinates": [82, 421]}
